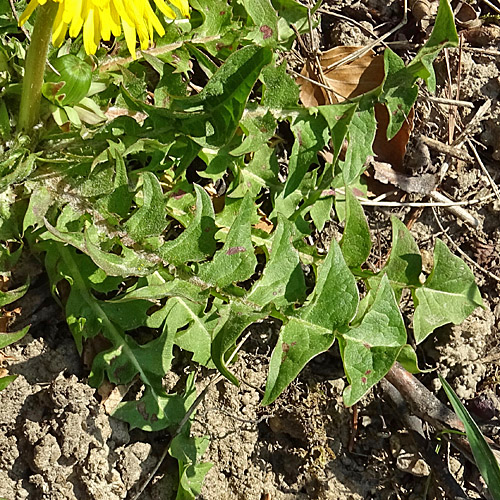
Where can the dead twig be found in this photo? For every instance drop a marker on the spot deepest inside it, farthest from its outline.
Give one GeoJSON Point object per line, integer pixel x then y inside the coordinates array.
{"type": "Point", "coordinates": [421, 401]}
{"type": "Point", "coordinates": [447, 102]}
{"type": "Point", "coordinates": [458, 211]}
{"type": "Point", "coordinates": [484, 169]}
{"type": "Point", "coordinates": [414, 425]}
{"type": "Point", "coordinates": [440, 147]}
{"type": "Point", "coordinates": [476, 119]}
{"type": "Point", "coordinates": [425, 405]}
{"type": "Point", "coordinates": [354, 428]}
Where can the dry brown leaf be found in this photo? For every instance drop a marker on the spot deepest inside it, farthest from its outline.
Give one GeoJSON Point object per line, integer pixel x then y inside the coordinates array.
{"type": "Point", "coordinates": [265, 225]}
{"type": "Point", "coordinates": [391, 151]}
{"type": "Point", "coordinates": [423, 184]}
{"type": "Point", "coordinates": [112, 395]}
{"type": "Point", "coordinates": [423, 11]}
{"type": "Point", "coordinates": [347, 81]}
{"type": "Point", "coordinates": [482, 36]}
{"type": "Point", "coordinates": [467, 17]}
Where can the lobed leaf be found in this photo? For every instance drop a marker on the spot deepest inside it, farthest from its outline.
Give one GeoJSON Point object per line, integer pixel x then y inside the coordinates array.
{"type": "Point", "coordinates": [197, 241]}
{"type": "Point", "coordinates": [361, 132]}
{"type": "Point", "coordinates": [236, 260]}
{"type": "Point", "coordinates": [311, 330]}
{"type": "Point", "coordinates": [370, 349]}
{"type": "Point", "coordinates": [404, 265]}
{"type": "Point", "coordinates": [444, 34]}
{"type": "Point", "coordinates": [235, 318]}
{"type": "Point", "coordinates": [282, 281]}
{"type": "Point", "coordinates": [449, 294]}
{"type": "Point", "coordinates": [188, 451]}
{"type": "Point", "coordinates": [356, 242]}
{"type": "Point", "coordinates": [149, 218]}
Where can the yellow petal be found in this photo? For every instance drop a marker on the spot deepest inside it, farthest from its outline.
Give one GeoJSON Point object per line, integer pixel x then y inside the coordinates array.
{"type": "Point", "coordinates": [59, 28]}
{"type": "Point", "coordinates": [29, 10]}
{"type": "Point", "coordinates": [165, 8]}
{"type": "Point", "coordinates": [182, 5]}
{"type": "Point", "coordinates": [88, 34]}
{"type": "Point", "coordinates": [59, 35]}
{"type": "Point", "coordinates": [101, 18]}
{"type": "Point", "coordinates": [129, 32]}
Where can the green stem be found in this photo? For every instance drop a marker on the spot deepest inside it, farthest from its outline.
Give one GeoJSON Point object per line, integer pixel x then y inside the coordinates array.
{"type": "Point", "coordinates": [29, 112]}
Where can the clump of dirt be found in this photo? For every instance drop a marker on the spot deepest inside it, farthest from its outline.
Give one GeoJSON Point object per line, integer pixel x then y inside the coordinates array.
{"type": "Point", "coordinates": [56, 441]}
{"type": "Point", "coordinates": [288, 450]}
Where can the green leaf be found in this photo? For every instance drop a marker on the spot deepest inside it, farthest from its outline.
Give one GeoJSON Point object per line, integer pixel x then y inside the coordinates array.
{"type": "Point", "coordinates": [356, 242]}
{"type": "Point", "coordinates": [88, 316]}
{"type": "Point", "coordinates": [119, 199]}
{"type": "Point", "coordinates": [188, 451]}
{"type": "Point", "coordinates": [399, 91]}
{"type": "Point", "coordinates": [216, 16]}
{"type": "Point", "coordinates": [197, 241]}
{"type": "Point", "coordinates": [321, 212]}
{"type": "Point", "coordinates": [4, 120]}
{"type": "Point", "coordinates": [40, 201]}
{"type": "Point", "coordinates": [361, 134]}
{"type": "Point", "coordinates": [404, 265]}
{"type": "Point", "coordinates": [5, 381]}
{"type": "Point", "coordinates": [298, 342]}
{"type": "Point", "coordinates": [212, 117]}
{"type": "Point", "coordinates": [335, 298]}
{"type": "Point", "coordinates": [294, 13]}
{"type": "Point", "coordinates": [148, 219]}
{"type": "Point", "coordinates": [282, 281]}
{"type": "Point", "coordinates": [311, 135]}
{"type": "Point", "coordinates": [8, 259]}
{"type": "Point", "coordinates": [197, 332]}
{"type": "Point", "coordinates": [24, 165]}
{"type": "Point", "coordinates": [408, 359]}
{"type": "Point", "coordinates": [338, 117]}
{"type": "Point", "coordinates": [483, 455]}
{"type": "Point", "coordinates": [279, 89]}
{"type": "Point", "coordinates": [152, 412]}
{"type": "Point", "coordinates": [258, 131]}
{"type": "Point", "coordinates": [312, 330]}
{"type": "Point", "coordinates": [129, 263]}
{"type": "Point", "coordinates": [236, 317]}
{"type": "Point", "coordinates": [12, 295]}
{"type": "Point", "coordinates": [75, 76]}
{"type": "Point", "coordinates": [266, 21]}
{"type": "Point", "coordinates": [369, 350]}
{"type": "Point", "coordinates": [449, 294]}
{"type": "Point", "coordinates": [127, 358]}
{"type": "Point", "coordinates": [9, 338]}
{"type": "Point", "coordinates": [236, 260]}
{"type": "Point", "coordinates": [444, 34]}
{"type": "Point", "coordinates": [260, 173]}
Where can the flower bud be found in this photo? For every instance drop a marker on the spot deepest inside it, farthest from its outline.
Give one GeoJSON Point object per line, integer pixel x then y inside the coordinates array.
{"type": "Point", "coordinates": [73, 82]}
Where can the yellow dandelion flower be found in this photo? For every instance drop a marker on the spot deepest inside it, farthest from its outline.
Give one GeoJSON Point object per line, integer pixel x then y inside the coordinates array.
{"type": "Point", "coordinates": [100, 18]}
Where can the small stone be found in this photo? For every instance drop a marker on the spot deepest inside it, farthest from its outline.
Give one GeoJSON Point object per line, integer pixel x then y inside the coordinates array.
{"type": "Point", "coordinates": [366, 420]}
{"type": "Point", "coordinates": [412, 463]}
{"type": "Point", "coordinates": [246, 399]}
